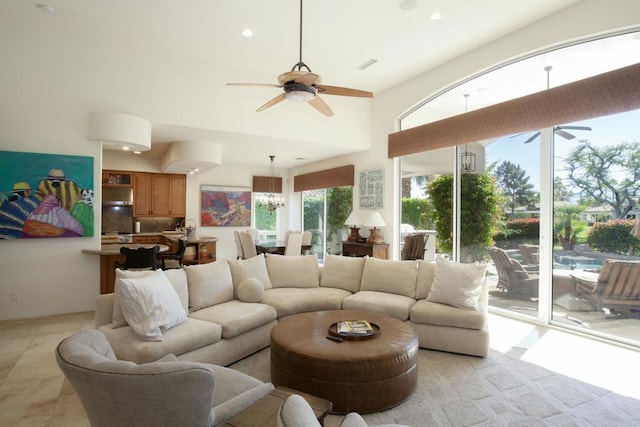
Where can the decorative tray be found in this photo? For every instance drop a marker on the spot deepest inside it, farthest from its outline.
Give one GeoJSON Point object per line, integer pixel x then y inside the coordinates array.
{"type": "Point", "coordinates": [354, 336]}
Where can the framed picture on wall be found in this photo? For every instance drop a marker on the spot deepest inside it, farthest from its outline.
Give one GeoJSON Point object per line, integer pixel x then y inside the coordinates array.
{"type": "Point", "coordinates": [222, 206]}
{"type": "Point", "coordinates": [371, 189]}
{"type": "Point", "coordinates": [45, 195]}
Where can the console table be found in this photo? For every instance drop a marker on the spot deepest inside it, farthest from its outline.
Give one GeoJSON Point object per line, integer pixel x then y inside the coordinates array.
{"type": "Point", "coordinates": [375, 250]}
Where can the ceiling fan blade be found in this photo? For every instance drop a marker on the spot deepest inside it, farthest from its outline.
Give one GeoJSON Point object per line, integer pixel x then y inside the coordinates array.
{"type": "Point", "coordinates": [574, 127]}
{"type": "Point", "coordinates": [254, 84]}
{"type": "Point", "coordinates": [319, 104]}
{"type": "Point", "coordinates": [565, 135]}
{"type": "Point", "coordinates": [532, 137]}
{"type": "Point", "coordinates": [273, 102]}
{"type": "Point", "coordinates": [343, 91]}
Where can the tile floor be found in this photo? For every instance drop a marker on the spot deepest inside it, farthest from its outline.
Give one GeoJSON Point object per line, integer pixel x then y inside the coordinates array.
{"type": "Point", "coordinates": [33, 391]}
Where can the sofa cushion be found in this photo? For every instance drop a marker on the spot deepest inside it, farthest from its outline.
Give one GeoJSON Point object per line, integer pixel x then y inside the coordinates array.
{"type": "Point", "coordinates": [457, 284]}
{"type": "Point", "coordinates": [185, 337]}
{"type": "Point", "coordinates": [209, 284]}
{"type": "Point", "coordinates": [396, 277]}
{"type": "Point", "coordinates": [426, 270]}
{"type": "Point", "coordinates": [393, 305]}
{"type": "Point", "coordinates": [251, 290]}
{"type": "Point", "coordinates": [237, 317]}
{"type": "Point", "coordinates": [433, 313]}
{"type": "Point", "coordinates": [242, 269]}
{"type": "Point", "coordinates": [293, 271]}
{"type": "Point", "coordinates": [289, 301]}
{"type": "Point", "coordinates": [178, 278]}
{"type": "Point", "coordinates": [117, 319]}
{"type": "Point", "coordinates": [342, 272]}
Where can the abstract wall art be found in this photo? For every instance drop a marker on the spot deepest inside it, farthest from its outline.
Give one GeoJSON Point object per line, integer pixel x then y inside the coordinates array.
{"type": "Point", "coordinates": [225, 206]}
{"type": "Point", "coordinates": [45, 195]}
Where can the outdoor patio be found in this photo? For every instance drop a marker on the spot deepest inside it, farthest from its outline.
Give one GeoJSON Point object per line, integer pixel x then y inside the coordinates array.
{"type": "Point", "coordinates": [623, 324]}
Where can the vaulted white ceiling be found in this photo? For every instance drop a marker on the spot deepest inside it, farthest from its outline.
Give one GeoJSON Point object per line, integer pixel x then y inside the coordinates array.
{"type": "Point", "coordinates": [169, 61]}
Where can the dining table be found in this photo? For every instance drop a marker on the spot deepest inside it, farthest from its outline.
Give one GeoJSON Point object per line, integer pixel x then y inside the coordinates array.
{"type": "Point", "coordinates": [277, 247]}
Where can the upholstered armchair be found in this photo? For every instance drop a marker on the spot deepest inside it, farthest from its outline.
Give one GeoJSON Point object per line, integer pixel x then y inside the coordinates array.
{"type": "Point", "coordinates": [163, 393]}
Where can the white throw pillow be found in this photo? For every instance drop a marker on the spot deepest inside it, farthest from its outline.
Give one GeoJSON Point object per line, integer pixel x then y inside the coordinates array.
{"type": "Point", "coordinates": [457, 284]}
{"type": "Point", "coordinates": [151, 306]}
{"type": "Point", "coordinates": [251, 290]}
{"type": "Point", "coordinates": [117, 318]}
{"type": "Point", "coordinates": [209, 284]}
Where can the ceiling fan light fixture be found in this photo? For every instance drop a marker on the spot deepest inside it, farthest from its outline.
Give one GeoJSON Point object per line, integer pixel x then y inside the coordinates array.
{"type": "Point", "coordinates": [298, 92]}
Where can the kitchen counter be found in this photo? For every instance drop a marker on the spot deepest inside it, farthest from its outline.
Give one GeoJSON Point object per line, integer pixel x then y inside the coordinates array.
{"type": "Point", "coordinates": [198, 238]}
{"type": "Point", "coordinates": [201, 249]}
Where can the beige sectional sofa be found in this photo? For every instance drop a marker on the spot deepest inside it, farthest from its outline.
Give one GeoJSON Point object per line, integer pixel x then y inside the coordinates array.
{"type": "Point", "coordinates": [232, 305]}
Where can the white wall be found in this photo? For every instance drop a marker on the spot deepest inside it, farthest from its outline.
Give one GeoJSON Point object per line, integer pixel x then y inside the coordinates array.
{"type": "Point", "coordinates": [45, 116]}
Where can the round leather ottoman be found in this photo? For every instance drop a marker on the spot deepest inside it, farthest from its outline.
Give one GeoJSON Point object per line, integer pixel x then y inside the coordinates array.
{"type": "Point", "coordinates": [363, 375]}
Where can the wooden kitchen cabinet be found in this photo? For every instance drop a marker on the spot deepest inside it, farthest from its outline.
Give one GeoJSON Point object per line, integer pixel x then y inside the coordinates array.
{"type": "Point", "coordinates": [117, 178]}
{"type": "Point", "coordinates": [159, 194]}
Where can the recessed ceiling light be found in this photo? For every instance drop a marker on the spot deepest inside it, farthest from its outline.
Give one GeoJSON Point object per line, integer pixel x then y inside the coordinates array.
{"type": "Point", "coordinates": [436, 16]}
{"type": "Point", "coordinates": [45, 8]}
{"type": "Point", "coordinates": [137, 152]}
{"type": "Point", "coordinates": [247, 32]}
{"type": "Point", "coordinates": [126, 148]}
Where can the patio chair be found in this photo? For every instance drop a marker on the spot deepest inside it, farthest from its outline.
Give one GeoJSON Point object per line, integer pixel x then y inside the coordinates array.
{"type": "Point", "coordinates": [414, 246]}
{"type": "Point", "coordinates": [529, 253]}
{"type": "Point", "coordinates": [513, 277]}
{"type": "Point", "coordinates": [617, 287]}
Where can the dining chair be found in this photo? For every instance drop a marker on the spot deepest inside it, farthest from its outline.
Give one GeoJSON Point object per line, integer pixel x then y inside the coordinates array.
{"type": "Point", "coordinates": [173, 259]}
{"type": "Point", "coordinates": [139, 258]}
{"type": "Point", "coordinates": [306, 240]}
{"type": "Point", "coordinates": [294, 245]}
{"type": "Point", "coordinates": [248, 245]}
{"type": "Point", "coordinates": [236, 238]}
{"type": "Point", "coordinates": [255, 234]}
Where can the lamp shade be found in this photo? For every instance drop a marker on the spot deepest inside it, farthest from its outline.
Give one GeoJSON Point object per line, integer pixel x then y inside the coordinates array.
{"type": "Point", "coordinates": [353, 219]}
{"type": "Point", "coordinates": [374, 219]}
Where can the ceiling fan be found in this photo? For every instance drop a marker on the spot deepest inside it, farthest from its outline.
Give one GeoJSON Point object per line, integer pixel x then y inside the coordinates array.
{"type": "Point", "coordinates": [558, 130]}
{"type": "Point", "coordinates": [302, 85]}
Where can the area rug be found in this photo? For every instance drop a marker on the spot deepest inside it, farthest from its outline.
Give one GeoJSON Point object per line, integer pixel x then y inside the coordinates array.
{"type": "Point", "coordinates": [499, 390]}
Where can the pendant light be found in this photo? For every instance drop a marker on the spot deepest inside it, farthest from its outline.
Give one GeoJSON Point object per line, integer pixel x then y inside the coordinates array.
{"type": "Point", "coordinates": [467, 159]}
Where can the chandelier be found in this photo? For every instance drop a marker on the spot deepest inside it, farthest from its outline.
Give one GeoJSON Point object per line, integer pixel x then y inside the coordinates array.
{"type": "Point", "coordinates": [271, 201]}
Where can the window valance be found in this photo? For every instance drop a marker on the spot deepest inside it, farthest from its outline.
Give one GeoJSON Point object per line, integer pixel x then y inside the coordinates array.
{"type": "Point", "coordinates": [335, 177]}
{"type": "Point", "coordinates": [605, 94]}
{"type": "Point", "coordinates": [263, 184]}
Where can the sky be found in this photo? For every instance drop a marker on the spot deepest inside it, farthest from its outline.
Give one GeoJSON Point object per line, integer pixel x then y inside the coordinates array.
{"type": "Point", "coordinates": [609, 130]}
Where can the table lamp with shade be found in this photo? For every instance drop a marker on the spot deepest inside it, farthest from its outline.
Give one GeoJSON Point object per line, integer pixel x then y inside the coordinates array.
{"type": "Point", "coordinates": [374, 219]}
{"type": "Point", "coordinates": [353, 219]}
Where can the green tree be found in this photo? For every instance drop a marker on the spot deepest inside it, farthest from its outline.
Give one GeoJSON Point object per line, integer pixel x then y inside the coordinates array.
{"type": "Point", "coordinates": [565, 225]}
{"type": "Point", "coordinates": [560, 191]}
{"type": "Point", "coordinates": [514, 182]}
{"type": "Point", "coordinates": [480, 212]}
{"type": "Point", "coordinates": [609, 175]}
